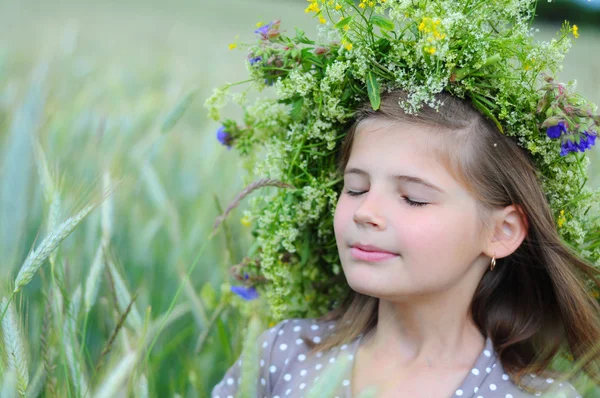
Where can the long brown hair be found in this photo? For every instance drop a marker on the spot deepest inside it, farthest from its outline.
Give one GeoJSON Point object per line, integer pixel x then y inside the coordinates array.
{"type": "Point", "coordinates": [535, 303]}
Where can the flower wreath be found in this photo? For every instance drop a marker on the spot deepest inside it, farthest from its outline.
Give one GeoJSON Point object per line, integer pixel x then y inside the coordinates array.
{"type": "Point", "coordinates": [482, 50]}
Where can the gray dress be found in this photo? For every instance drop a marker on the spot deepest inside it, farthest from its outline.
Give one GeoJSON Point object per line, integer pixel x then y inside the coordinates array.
{"type": "Point", "coordinates": [288, 370]}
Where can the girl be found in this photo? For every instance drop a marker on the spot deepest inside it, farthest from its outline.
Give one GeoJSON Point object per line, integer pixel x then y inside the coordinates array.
{"type": "Point", "coordinates": [460, 283]}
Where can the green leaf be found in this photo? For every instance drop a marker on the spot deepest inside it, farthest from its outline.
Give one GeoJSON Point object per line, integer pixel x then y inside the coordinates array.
{"type": "Point", "coordinates": [208, 296]}
{"type": "Point", "coordinates": [373, 91]}
{"type": "Point", "coordinates": [296, 111]}
{"type": "Point", "coordinates": [382, 22]}
{"type": "Point", "coordinates": [343, 22]}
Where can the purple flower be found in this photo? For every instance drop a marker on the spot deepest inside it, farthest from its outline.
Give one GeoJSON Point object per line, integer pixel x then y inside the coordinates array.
{"type": "Point", "coordinates": [568, 146]}
{"type": "Point", "coordinates": [224, 137]}
{"type": "Point", "coordinates": [556, 131]}
{"type": "Point", "coordinates": [254, 60]}
{"type": "Point", "coordinates": [264, 30]}
{"type": "Point", "coordinates": [247, 293]}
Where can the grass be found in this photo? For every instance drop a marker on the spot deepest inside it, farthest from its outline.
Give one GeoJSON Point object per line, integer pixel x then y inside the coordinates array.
{"type": "Point", "coordinates": [136, 295]}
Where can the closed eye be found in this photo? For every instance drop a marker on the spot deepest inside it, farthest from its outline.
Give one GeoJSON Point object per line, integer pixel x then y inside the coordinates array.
{"type": "Point", "coordinates": [407, 200]}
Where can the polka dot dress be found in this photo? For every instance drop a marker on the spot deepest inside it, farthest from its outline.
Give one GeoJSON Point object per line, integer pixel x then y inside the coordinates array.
{"type": "Point", "coordinates": [287, 369]}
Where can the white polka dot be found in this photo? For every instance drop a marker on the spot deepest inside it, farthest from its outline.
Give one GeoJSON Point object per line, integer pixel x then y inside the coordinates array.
{"type": "Point", "coordinates": [487, 353]}
{"type": "Point", "coordinates": [276, 396]}
{"type": "Point", "coordinates": [287, 377]}
{"type": "Point", "coordinates": [479, 396]}
{"type": "Point", "coordinates": [286, 361]}
{"type": "Point", "coordinates": [288, 391]}
{"type": "Point", "coordinates": [318, 366]}
{"type": "Point", "coordinates": [475, 371]}
{"type": "Point", "coordinates": [459, 393]}
{"type": "Point", "coordinates": [319, 354]}
{"type": "Point", "coordinates": [273, 369]}
{"type": "Point", "coordinates": [350, 357]}
{"type": "Point", "coordinates": [301, 357]}
{"type": "Point", "coordinates": [280, 332]}
{"type": "Point", "coordinates": [297, 328]}
{"type": "Point", "coordinates": [549, 380]}
{"type": "Point", "coordinates": [332, 360]}
{"type": "Point", "coordinates": [230, 396]}
{"type": "Point", "coordinates": [316, 339]}
{"type": "Point", "coordinates": [346, 382]}
{"type": "Point", "coordinates": [283, 346]}
{"type": "Point", "coordinates": [508, 396]}
{"type": "Point", "coordinates": [230, 381]}
{"type": "Point", "coordinates": [344, 347]}
{"type": "Point", "coordinates": [299, 341]}
{"type": "Point", "coordinates": [331, 326]}
{"type": "Point", "coordinates": [265, 344]}
{"type": "Point", "coordinates": [505, 377]}
{"type": "Point", "coordinates": [302, 385]}
{"type": "Point", "coordinates": [315, 327]}
{"type": "Point", "coordinates": [537, 394]}
{"type": "Point", "coordinates": [488, 370]}
{"type": "Point", "coordinates": [476, 389]}
{"type": "Point", "coordinates": [303, 372]}
{"type": "Point", "coordinates": [493, 387]}
{"type": "Point", "coordinates": [532, 375]}
{"type": "Point", "coordinates": [263, 381]}
{"type": "Point", "coordinates": [262, 363]}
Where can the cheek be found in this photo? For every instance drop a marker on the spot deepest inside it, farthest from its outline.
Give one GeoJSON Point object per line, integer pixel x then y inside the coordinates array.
{"type": "Point", "coordinates": [341, 216]}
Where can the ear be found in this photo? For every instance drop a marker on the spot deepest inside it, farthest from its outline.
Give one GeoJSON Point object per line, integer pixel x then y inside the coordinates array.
{"type": "Point", "coordinates": [509, 229]}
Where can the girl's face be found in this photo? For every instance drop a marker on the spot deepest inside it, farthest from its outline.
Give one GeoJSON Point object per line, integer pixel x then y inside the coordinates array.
{"type": "Point", "coordinates": [399, 198]}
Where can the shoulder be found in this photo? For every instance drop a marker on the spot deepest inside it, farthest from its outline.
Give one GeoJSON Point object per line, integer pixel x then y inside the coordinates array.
{"type": "Point", "coordinates": [530, 386]}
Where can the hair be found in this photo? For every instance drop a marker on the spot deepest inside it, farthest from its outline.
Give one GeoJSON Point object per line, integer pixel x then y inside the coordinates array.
{"type": "Point", "coordinates": [534, 304]}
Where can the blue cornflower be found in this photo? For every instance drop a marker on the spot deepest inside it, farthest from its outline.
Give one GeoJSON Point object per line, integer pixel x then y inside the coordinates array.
{"type": "Point", "coordinates": [247, 293]}
{"type": "Point", "coordinates": [224, 137]}
{"type": "Point", "coordinates": [556, 131]}
{"type": "Point", "coordinates": [264, 30]}
{"type": "Point", "coordinates": [255, 60]}
{"type": "Point", "coordinates": [568, 146]}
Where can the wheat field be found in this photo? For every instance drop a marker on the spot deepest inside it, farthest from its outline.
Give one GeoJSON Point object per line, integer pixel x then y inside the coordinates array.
{"type": "Point", "coordinates": [110, 181]}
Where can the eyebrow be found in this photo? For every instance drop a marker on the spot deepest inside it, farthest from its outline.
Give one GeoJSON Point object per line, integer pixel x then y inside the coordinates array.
{"type": "Point", "coordinates": [398, 177]}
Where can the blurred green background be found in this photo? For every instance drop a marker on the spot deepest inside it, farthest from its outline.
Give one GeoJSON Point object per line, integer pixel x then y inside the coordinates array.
{"type": "Point", "coordinates": [96, 83]}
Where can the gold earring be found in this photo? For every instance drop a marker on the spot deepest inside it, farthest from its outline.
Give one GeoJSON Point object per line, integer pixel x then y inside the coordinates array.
{"type": "Point", "coordinates": [493, 263]}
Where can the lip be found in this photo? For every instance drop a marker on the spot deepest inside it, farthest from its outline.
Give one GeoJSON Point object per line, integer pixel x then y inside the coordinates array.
{"type": "Point", "coordinates": [370, 253]}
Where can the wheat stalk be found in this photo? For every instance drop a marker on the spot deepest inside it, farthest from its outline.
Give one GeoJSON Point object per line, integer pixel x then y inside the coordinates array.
{"type": "Point", "coordinates": [36, 258]}
{"type": "Point", "coordinates": [250, 355]}
{"type": "Point", "coordinates": [115, 332]}
{"type": "Point", "coordinates": [77, 370]}
{"type": "Point", "coordinates": [47, 354]}
{"type": "Point", "coordinates": [92, 283]}
{"type": "Point", "coordinates": [14, 347]}
{"type": "Point", "coordinates": [330, 379]}
{"type": "Point", "coordinates": [124, 297]}
{"type": "Point", "coordinates": [265, 182]}
{"type": "Point", "coordinates": [114, 381]}
{"type": "Point", "coordinates": [107, 211]}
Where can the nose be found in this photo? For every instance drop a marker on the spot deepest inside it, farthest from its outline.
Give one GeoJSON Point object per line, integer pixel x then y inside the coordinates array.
{"type": "Point", "coordinates": [370, 211]}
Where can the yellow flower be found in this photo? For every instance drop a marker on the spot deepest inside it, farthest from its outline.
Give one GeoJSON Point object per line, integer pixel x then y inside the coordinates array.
{"type": "Point", "coordinates": [338, 7]}
{"type": "Point", "coordinates": [346, 27]}
{"type": "Point", "coordinates": [271, 324]}
{"type": "Point", "coordinates": [245, 221]}
{"type": "Point", "coordinates": [371, 4]}
{"type": "Point", "coordinates": [561, 219]}
{"type": "Point", "coordinates": [322, 20]}
{"type": "Point", "coordinates": [348, 46]}
{"type": "Point", "coordinates": [330, 3]}
{"type": "Point", "coordinates": [314, 7]}
{"type": "Point", "coordinates": [575, 31]}
{"type": "Point", "coordinates": [362, 5]}
{"type": "Point", "coordinates": [232, 46]}
{"type": "Point", "coordinates": [430, 50]}
{"type": "Point", "coordinates": [259, 24]}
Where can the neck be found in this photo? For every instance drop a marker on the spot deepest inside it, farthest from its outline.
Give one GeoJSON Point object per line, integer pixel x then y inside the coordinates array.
{"type": "Point", "coordinates": [430, 331]}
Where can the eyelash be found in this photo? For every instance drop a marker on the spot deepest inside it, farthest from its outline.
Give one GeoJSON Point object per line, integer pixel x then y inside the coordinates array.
{"type": "Point", "coordinates": [408, 201]}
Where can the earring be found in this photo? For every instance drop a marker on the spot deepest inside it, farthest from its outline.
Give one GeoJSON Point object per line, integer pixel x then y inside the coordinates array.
{"type": "Point", "coordinates": [493, 263]}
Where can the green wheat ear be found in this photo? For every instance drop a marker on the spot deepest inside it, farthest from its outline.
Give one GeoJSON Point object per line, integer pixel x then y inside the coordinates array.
{"type": "Point", "coordinates": [331, 379]}
{"type": "Point", "coordinates": [250, 355]}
